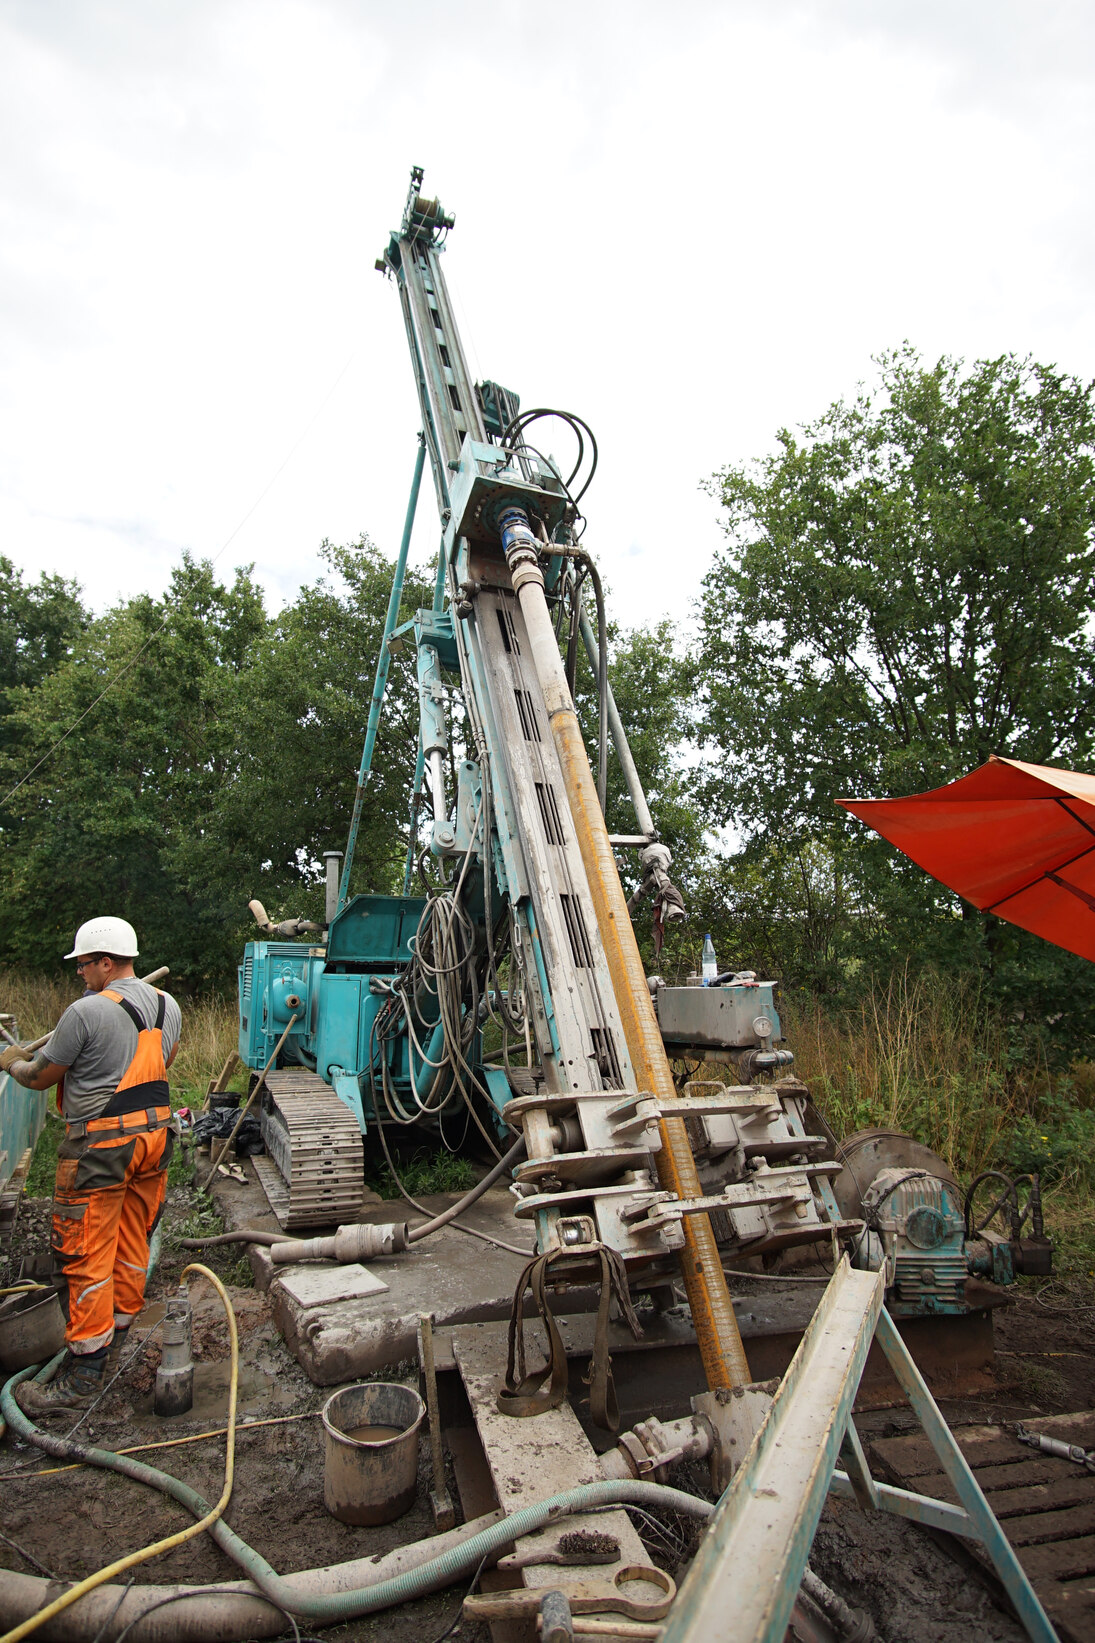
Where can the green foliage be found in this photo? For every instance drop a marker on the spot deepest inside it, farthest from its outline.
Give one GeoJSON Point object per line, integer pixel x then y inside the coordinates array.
{"type": "Point", "coordinates": [299, 731]}
{"type": "Point", "coordinates": [423, 1172]}
{"type": "Point", "coordinates": [907, 588]}
{"type": "Point", "coordinates": [43, 1163]}
{"type": "Point", "coordinates": [203, 1220]}
{"type": "Point", "coordinates": [440, 1171]}
{"type": "Point", "coordinates": [219, 766]}
{"type": "Point", "coordinates": [38, 624]}
{"type": "Point", "coordinates": [109, 818]}
{"type": "Point", "coordinates": [1057, 1144]}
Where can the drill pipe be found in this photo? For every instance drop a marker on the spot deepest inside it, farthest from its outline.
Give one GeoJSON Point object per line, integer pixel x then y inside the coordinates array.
{"type": "Point", "coordinates": [717, 1332]}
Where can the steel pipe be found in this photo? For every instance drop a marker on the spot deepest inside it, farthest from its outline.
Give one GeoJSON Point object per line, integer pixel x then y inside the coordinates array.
{"type": "Point", "coordinates": [717, 1332]}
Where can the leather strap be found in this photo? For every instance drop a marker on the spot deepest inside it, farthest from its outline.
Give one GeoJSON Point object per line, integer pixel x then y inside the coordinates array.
{"type": "Point", "coordinates": [526, 1393]}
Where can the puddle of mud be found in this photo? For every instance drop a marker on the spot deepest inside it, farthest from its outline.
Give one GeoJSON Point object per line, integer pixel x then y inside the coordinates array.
{"type": "Point", "coordinates": [258, 1393]}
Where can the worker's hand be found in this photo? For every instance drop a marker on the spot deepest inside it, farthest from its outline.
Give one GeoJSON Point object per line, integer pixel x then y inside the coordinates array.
{"type": "Point", "coordinates": [12, 1054]}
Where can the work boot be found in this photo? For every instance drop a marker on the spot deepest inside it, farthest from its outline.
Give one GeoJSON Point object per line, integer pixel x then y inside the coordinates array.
{"type": "Point", "coordinates": [76, 1385]}
{"type": "Point", "coordinates": [117, 1352]}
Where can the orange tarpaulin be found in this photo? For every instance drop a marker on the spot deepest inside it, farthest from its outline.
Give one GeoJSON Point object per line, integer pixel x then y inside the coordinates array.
{"type": "Point", "coordinates": [1016, 839]}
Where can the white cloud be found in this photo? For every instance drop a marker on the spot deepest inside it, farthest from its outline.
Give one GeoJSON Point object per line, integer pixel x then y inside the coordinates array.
{"type": "Point", "coordinates": [689, 224]}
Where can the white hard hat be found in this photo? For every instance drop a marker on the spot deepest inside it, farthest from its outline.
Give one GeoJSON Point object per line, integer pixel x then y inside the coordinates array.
{"type": "Point", "coordinates": [105, 935]}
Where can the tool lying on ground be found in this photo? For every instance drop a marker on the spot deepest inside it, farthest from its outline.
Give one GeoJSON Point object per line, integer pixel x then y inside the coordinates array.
{"type": "Point", "coordinates": [1055, 1446]}
{"type": "Point", "coordinates": [578, 1547]}
{"type": "Point", "coordinates": [590, 1597]}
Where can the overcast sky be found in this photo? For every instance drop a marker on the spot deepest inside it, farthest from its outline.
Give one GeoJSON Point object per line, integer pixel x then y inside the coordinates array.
{"type": "Point", "coordinates": [691, 223]}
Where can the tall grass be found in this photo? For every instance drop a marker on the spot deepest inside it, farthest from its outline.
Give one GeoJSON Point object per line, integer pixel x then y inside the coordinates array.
{"type": "Point", "coordinates": [209, 1028]}
{"type": "Point", "coordinates": [924, 1055]}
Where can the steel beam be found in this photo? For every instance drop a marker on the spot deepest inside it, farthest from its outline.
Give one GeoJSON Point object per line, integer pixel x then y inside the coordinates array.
{"type": "Point", "coordinates": [981, 1516]}
{"type": "Point", "coordinates": [745, 1577]}
{"type": "Point", "coordinates": [380, 683]}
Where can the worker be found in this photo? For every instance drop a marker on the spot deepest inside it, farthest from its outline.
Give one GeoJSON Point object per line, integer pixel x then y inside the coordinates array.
{"type": "Point", "coordinates": [109, 1056]}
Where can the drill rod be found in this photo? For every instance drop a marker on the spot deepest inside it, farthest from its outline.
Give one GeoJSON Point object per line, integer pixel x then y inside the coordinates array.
{"type": "Point", "coordinates": [717, 1332]}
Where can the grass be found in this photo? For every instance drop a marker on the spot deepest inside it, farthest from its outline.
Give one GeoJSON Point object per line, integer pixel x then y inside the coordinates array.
{"type": "Point", "coordinates": [209, 1031]}
{"type": "Point", "coordinates": [926, 1056]}
{"type": "Point", "coordinates": [922, 1055]}
{"type": "Point", "coordinates": [208, 1037]}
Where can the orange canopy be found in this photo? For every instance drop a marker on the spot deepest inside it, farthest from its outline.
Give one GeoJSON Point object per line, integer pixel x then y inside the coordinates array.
{"type": "Point", "coordinates": [1016, 839]}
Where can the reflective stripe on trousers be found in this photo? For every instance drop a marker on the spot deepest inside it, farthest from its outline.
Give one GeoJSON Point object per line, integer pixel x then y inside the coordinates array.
{"type": "Point", "coordinates": [108, 1196]}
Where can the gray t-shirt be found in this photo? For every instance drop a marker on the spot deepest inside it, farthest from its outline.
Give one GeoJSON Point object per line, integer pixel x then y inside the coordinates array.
{"type": "Point", "coordinates": [96, 1041]}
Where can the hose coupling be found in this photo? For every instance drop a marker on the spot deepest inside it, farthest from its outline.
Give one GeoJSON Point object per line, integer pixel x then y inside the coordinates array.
{"type": "Point", "coordinates": [356, 1242]}
{"type": "Point", "coordinates": [520, 546]}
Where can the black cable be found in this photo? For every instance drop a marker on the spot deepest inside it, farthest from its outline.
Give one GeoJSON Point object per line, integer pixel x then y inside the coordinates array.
{"type": "Point", "coordinates": [576, 424]}
{"type": "Point", "coordinates": [967, 1207]}
{"type": "Point", "coordinates": [602, 676]}
{"type": "Point", "coordinates": [455, 1621]}
{"type": "Point", "coordinates": [575, 591]}
{"type": "Point", "coordinates": [206, 1591]}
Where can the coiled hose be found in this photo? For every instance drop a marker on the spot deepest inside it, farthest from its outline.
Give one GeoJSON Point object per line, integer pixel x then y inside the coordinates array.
{"type": "Point", "coordinates": [330, 1608]}
{"type": "Point", "coordinates": [208, 1516]}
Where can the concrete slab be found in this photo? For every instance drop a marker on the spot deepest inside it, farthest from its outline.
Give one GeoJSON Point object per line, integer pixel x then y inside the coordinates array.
{"type": "Point", "coordinates": [454, 1277]}
{"type": "Point", "coordinates": [460, 1280]}
{"type": "Point", "coordinates": [530, 1459]}
{"type": "Point", "coordinates": [323, 1284]}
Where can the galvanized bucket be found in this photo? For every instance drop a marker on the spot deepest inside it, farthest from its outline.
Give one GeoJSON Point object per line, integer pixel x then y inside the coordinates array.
{"type": "Point", "coordinates": [32, 1329]}
{"type": "Point", "coordinates": [369, 1483]}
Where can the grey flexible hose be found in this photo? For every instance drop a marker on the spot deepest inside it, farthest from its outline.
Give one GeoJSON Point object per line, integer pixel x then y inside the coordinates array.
{"type": "Point", "coordinates": [506, 1162]}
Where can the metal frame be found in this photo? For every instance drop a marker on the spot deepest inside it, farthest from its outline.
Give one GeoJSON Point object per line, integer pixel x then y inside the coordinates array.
{"type": "Point", "coordinates": [380, 684]}
{"type": "Point", "coordinates": [747, 1573]}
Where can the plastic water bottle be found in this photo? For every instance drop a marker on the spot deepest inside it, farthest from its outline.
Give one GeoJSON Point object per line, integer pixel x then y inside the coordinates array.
{"type": "Point", "coordinates": [710, 966]}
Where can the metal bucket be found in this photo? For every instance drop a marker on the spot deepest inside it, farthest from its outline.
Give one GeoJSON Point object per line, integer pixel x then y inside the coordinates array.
{"type": "Point", "coordinates": [32, 1329]}
{"type": "Point", "coordinates": [371, 1482]}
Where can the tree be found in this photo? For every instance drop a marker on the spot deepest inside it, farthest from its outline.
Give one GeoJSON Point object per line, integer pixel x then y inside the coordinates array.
{"type": "Point", "coordinates": [302, 713]}
{"type": "Point", "coordinates": [907, 589]}
{"type": "Point", "coordinates": [126, 785]}
{"type": "Point", "coordinates": [38, 623]}
{"type": "Point", "coordinates": [219, 766]}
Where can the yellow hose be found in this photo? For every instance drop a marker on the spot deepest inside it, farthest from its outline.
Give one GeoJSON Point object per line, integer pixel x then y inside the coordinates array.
{"type": "Point", "coordinates": [147, 1552]}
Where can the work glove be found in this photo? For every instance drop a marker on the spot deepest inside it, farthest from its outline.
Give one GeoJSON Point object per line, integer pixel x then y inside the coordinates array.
{"type": "Point", "coordinates": [9, 1056]}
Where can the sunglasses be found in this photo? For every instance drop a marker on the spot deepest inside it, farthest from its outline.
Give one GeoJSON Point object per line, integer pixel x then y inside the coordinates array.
{"type": "Point", "coordinates": [86, 963]}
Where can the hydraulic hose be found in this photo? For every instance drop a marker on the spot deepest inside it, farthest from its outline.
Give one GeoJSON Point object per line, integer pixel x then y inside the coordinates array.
{"type": "Point", "coordinates": [456, 1560]}
{"type": "Point", "coordinates": [209, 1514]}
{"type": "Point", "coordinates": [504, 1164]}
{"type": "Point", "coordinates": [246, 1235]}
{"type": "Point", "coordinates": [414, 1234]}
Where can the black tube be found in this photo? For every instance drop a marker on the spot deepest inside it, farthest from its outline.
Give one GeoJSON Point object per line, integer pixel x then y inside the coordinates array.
{"type": "Point", "coordinates": [988, 1175]}
{"type": "Point", "coordinates": [602, 677]}
{"type": "Point", "coordinates": [506, 1162]}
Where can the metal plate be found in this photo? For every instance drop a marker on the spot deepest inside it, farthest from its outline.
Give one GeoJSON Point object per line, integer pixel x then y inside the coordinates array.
{"type": "Point", "coordinates": [868, 1151]}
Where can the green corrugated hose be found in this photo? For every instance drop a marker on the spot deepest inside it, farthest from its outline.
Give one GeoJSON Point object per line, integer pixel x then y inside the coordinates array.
{"type": "Point", "coordinates": [403, 1588]}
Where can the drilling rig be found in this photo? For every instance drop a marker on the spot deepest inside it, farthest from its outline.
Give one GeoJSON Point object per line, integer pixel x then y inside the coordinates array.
{"type": "Point", "coordinates": [378, 1020]}
{"type": "Point", "coordinates": [509, 1002]}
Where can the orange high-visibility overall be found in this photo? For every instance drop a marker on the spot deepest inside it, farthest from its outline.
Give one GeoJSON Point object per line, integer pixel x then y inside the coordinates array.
{"type": "Point", "coordinates": [109, 1193]}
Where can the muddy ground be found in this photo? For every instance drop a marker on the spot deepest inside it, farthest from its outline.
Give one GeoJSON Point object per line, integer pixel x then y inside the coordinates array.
{"type": "Point", "coordinates": [75, 1521]}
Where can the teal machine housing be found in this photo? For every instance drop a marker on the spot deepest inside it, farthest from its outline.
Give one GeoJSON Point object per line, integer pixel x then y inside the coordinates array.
{"type": "Point", "coordinates": [337, 992]}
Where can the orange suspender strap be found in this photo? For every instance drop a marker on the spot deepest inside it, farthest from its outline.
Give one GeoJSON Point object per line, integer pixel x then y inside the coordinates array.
{"type": "Point", "coordinates": [144, 1081]}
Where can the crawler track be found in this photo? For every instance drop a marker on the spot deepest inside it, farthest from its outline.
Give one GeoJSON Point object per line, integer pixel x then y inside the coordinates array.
{"type": "Point", "coordinates": [314, 1140]}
